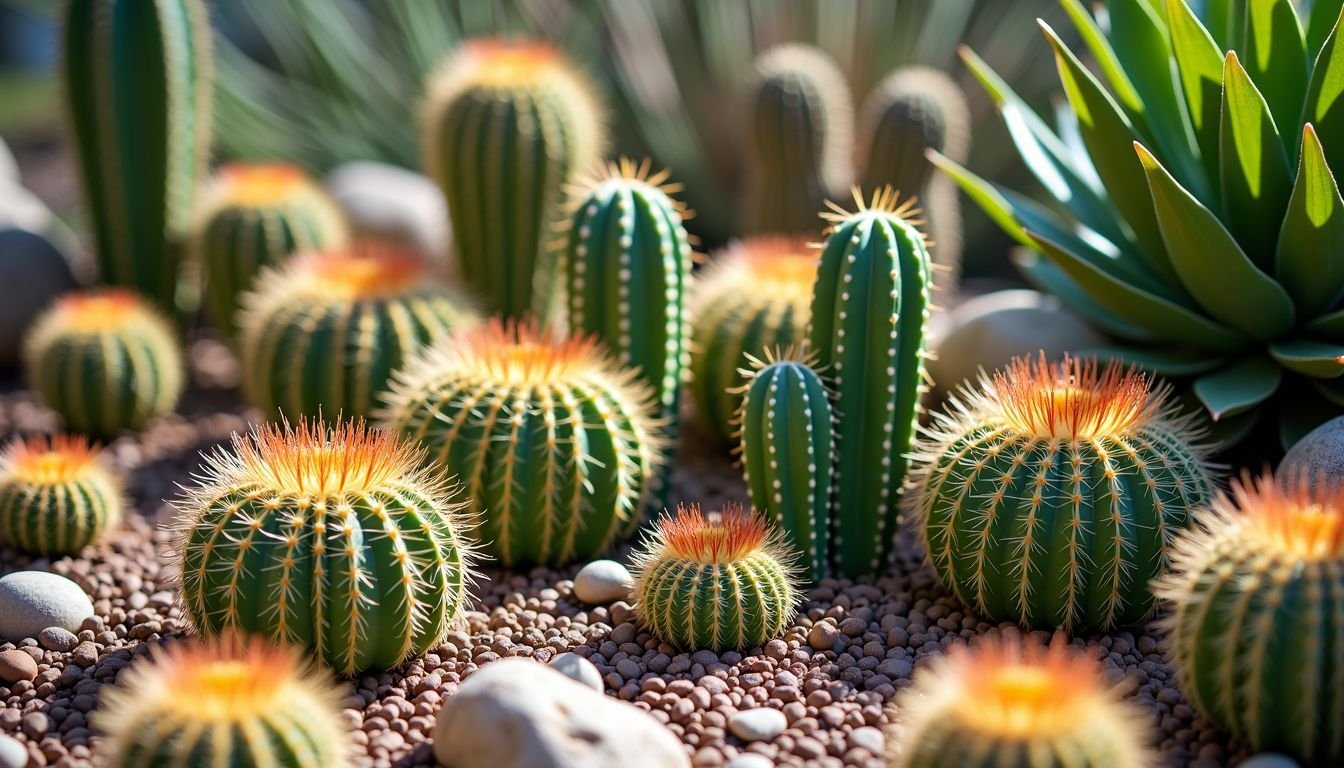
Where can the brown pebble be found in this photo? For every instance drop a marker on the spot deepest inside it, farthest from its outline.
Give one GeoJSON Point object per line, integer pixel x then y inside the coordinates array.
{"type": "Point", "coordinates": [16, 665]}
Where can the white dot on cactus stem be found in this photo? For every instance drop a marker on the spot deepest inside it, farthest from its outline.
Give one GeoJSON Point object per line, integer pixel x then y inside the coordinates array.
{"type": "Point", "coordinates": [842, 314]}
{"type": "Point", "coordinates": [839, 349]}
{"type": "Point", "coordinates": [844, 297]}
{"type": "Point", "coordinates": [585, 231]}
{"type": "Point", "coordinates": [777, 483]}
{"type": "Point", "coordinates": [811, 482]}
{"type": "Point", "coordinates": [626, 241]}
{"type": "Point", "coordinates": [849, 278]}
{"type": "Point", "coordinates": [855, 240]}
{"type": "Point", "coordinates": [851, 258]}
{"type": "Point", "coordinates": [582, 251]}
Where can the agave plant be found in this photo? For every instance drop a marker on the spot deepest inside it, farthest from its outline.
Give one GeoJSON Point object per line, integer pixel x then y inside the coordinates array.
{"type": "Point", "coordinates": [1198, 220]}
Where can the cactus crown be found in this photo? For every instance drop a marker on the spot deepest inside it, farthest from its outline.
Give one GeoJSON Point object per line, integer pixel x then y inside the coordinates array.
{"type": "Point", "coordinates": [258, 185]}
{"type": "Point", "coordinates": [623, 172]}
{"type": "Point", "coordinates": [777, 268]}
{"type": "Point", "coordinates": [103, 309]}
{"type": "Point", "coordinates": [366, 269]}
{"type": "Point", "coordinates": [1287, 518]}
{"type": "Point", "coordinates": [522, 354]}
{"type": "Point", "coordinates": [715, 538]}
{"type": "Point", "coordinates": [53, 460]}
{"type": "Point", "coordinates": [496, 61]}
{"type": "Point", "coordinates": [884, 200]}
{"type": "Point", "coordinates": [1076, 398]}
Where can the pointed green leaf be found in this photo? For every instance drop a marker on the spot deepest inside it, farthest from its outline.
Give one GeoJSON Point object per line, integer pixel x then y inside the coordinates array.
{"type": "Point", "coordinates": [1164, 361]}
{"type": "Point", "coordinates": [1257, 177]}
{"type": "Point", "coordinates": [1043, 275]}
{"type": "Point", "coordinates": [1239, 387]}
{"type": "Point", "coordinates": [1106, 58]}
{"type": "Point", "coordinates": [1325, 98]}
{"type": "Point", "coordinates": [1224, 433]}
{"type": "Point", "coordinates": [1310, 259]}
{"type": "Point", "coordinates": [1324, 16]}
{"type": "Point", "coordinates": [1310, 358]}
{"type": "Point", "coordinates": [1276, 58]}
{"type": "Point", "coordinates": [1329, 326]}
{"type": "Point", "coordinates": [1200, 67]}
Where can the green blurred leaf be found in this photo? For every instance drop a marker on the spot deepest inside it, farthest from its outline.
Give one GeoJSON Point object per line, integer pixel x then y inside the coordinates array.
{"type": "Point", "coordinates": [1225, 20]}
{"type": "Point", "coordinates": [1200, 67]}
{"type": "Point", "coordinates": [1325, 98]}
{"type": "Point", "coordinates": [1328, 326]}
{"type": "Point", "coordinates": [1276, 58]}
{"type": "Point", "coordinates": [1310, 358]}
{"type": "Point", "coordinates": [1257, 177]}
{"type": "Point", "coordinates": [1164, 361]}
{"type": "Point", "coordinates": [1325, 15]}
{"type": "Point", "coordinates": [1106, 58]}
{"type": "Point", "coordinates": [1239, 387]}
{"type": "Point", "coordinates": [1043, 275]}
{"type": "Point", "coordinates": [1309, 263]}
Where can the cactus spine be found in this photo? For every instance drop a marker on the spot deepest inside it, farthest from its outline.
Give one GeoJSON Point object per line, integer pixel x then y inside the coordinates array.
{"type": "Point", "coordinates": [138, 88]}
{"type": "Point", "coordinates": [509, 125]}
{"type": "Point", "coordinates": [56, 497]}
{"type": "Point", "coordinates": [555, 443]}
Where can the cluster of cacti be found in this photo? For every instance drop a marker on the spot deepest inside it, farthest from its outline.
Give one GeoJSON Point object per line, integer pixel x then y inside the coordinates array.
{"type": "Point", "coordinates": [138, 91]}
{"type": "Point", "coordinates": [56, 497]}
{"type": "Point", "coordinates": [720, 581]}
{"type": "Point", "coordinates": [257, 216]}
{"type": "Point", "coordinates": [226, 702]}
{"type": "Point", "coordinates": [338, 539]}
{"type": "Point", "coordinates": [753, 296]}
{"type": "Point", "coordinates": [508, 125]}
{"type": "Point", "coordinates": [1256, 628]}
{"type": "Point", "coordinates": [324, 332]}
{"type": "Point", "coordinates": [1004, 705]}
{"type": "Point", "coordinates": [555, 443]}
{"type": "Point", "coordinates": [105, 361]}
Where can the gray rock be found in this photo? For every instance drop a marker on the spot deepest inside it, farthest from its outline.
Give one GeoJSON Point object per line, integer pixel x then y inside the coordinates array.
{"type": "Point", "coordinates": [574, 666]}
{"type": "Point", "coordinates": [388, 201]}
{"type": "Point", "coordinates": [21, 208]}
{"type": "Point", "coordinates": [12, 753]}
{"type": "Point", "coordinates": [1269, 760]}
{"type": "Point", "coordinates": [750, 760]}
{"type": "Point", "coordinates": [869, 738]}
{"type": "Point", "coordinates": [57, 639]}
{"type": "Point", "coordinates": [516, 713]}
{"type": "Point", "coordinates": [760, 724]}
{"type": "Point", "coordinates": [9, 173]}
{"type": "Point", "coordinates": [603, 581]}
{"type": "Point", "coordinates": [31, 601]}
{"type": "Point", "coordinates": [1317, 457]}
{"type": "Point", "coordinates": [30, 260]}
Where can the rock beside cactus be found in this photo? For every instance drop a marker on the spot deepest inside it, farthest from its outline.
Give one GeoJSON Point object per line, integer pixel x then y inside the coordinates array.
{"type": "Point", "coordinates": [31, 601]}
{"type": "Point", "coordinates": [56, 497]}
{"type": "Point", "coordinates": [36, 263]}
{"type": "Point", "coordinates": [391, 203]}
{"type": "Point", "coordinates": [1318, 458]}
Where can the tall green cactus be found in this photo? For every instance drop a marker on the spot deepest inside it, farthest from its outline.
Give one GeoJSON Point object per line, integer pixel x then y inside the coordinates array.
{"type": "Point", "coordinates": [509, 124]}
{"type": "Point", "coordinates": [56, 496]}
{"type": "Point", "coordinates": [869, 311]}
{"type": "Point", "coordinates": [138, 88]}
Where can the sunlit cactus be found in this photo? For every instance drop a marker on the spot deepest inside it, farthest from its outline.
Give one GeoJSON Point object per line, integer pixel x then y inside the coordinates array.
{"type": "Point", "coordinates": [56, 496]}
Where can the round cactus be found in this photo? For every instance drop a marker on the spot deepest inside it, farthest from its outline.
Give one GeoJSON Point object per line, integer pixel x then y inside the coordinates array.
{"type": "Point", "coordinates": [56, 497]}
{"type": "Point", "coordinates": [554, 442]}
{"type": "Point", "coordinates": [1256, 627]}
{"type": "Point", "coordinates": [324, 332]}
{"type": "Point", "coordinates": [226, 702]}
{"type": "Point", "coordinates": [105, 361]}
{"type": "Point", "coordinates": [721, 581]}
{"type": "Point", "coordinates": [335, 539]}
{"type": "Point", "coordinates": [1003, 705]}
{"type": "Point", "coordinates": [1051, 496]}
{"type": "Point", "coordinates": [754, 295]}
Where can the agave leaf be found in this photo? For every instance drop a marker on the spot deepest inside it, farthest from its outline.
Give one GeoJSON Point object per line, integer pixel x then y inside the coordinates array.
{"type": "Point", "coordinates": [1110, 65]}
{"type": "Point", "coordinates": [1164, 361]}
{"type": "Point", "coordinates": [1310, 262]}
{"type": "Point", "coordinates": [1328, 326]}
{"type": "Point", "coordinates": [1226, 20]}
{"type": "Point", "coordinates": [1310, 358]}
{"type": "Point", "coordinates": [1239, 387]}
{"type": "Point", "coordinates": [1325, 97]}
{"type": "Point", "coordinates": [1223, 433]}
{"type": "Point", "coordinates": [1200, 66]}
{"type": "Point", "coordinates": [1276, 57]}
{"type": "Point", "coordinates": [1043, 275]}
{"type": "Point", "coordinates": [1257, 177]}
{"type": "Point", "coordinates": [1324, 16]}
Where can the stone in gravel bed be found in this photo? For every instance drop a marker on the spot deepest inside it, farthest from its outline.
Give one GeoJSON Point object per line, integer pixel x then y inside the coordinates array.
{"type": "Point", "coordinates": [1269, 760]}
{"type": "Point", "coordinates": [12, 753]}
{"type": "Point", "coordinates": [603, 581]}
{"type": "Point", "coordinates": [31, 601]}
{"type": "Point", "coordinates": [16, 665]}
{"type": "Point", "coordinates": [1318, 457]}
{"type": "Point", "coordinates": [576, 667]}
{"type": "Point", "coordinates": [750, 760]}
{"type": "Point", "coordinates": [57, 639]}
{"type": "Point", "coordinates": [760, 724]}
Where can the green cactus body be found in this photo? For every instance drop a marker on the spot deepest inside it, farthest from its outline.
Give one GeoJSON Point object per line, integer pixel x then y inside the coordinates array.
{"type": "Point", "coordinates": [324, 332]}
{"type": "Point", "coordinates": [138, 89]}
{"type": "Point", "coordinates": [718, 582]}
{"type": "Point", "coordinates": [753, 296]}
{"type": "Point", "coordinates": [786, 429]}
{"type": "Point", "coordinates": [55, 496]}
{"type": "Point", "coordinates": [555, 444]}
{"type": "Point", "coordinates": [105, 361]}
{"type": "Point", "coordinates": [258, 216]}
{"type": "Point", "coordinates": [333, 539]}
{"type": "Point", "coordinates": [869, 310]}
{"type": "Point", "coordinates": [509, 125]}
{"type": "Point", "coordinates": [799, 141]}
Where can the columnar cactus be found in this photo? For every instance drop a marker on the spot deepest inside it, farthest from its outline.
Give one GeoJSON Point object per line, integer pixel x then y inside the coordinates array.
{"type": "Point", "coordinates": [786, 432]}
{"type": "Point", "coordinates": [225, 702]}
{"type": "Point", "coordinates": [722, 581]}
{"type": "Point", "coordinates": [509, 124]}
{"type": "Point", "coordinates": [257, 216]}
{"type": "Point", "coordinates": [800, 123]}
{"type": "Point", "coordinates": [339, 539]}
{"type": "Point", "coordinates": [869, 310]}
{"type": "Point", "coordinates": [324, 332]}
{"type": "Point", "coordinates": [1050, 497]}
{"type": "Point", "coordinates": [753, 296]}
{"type": "Point", "coordinates": [1256, 627]}
{"type": "Point", "coordinates": [105, 361]}
{"type": "Point", "coordinates": [555, 443]}
{"type": "Point", "coordinates": [1002, 705]}
{"type": "Point", "coordinates": [56, 497]}
{"type": "Point", "coordinates": [138, 88]}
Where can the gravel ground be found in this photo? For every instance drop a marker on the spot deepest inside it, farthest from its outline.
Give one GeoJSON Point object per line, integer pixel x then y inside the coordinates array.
{"type": "Point", "coordinates": [833, 674]}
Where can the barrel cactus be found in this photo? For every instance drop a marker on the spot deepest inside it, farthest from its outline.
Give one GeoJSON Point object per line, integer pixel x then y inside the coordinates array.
{"type": "Point", "coordinates": [1051, 495]}
{"type": "Point", "coordinates": [105, 360]}
{"type": "Point", "coordinates": [56, 496]}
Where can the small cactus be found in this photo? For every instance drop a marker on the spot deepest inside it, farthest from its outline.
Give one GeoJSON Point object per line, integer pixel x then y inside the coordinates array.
{"type": "Point", "coordinates": [105, 361]}
{"type": "Point", "coordinates": [1050, 497]}
{"type": "Point", "coordinates": [1256, 626]}
{"type": "Point", "coordinates": [335, 539]}
{"type": "Point", "coordinates": [56, 497]}
{"type": "Point", "coordinates": [720, 582]}
{"type": "Point", "coordinates": [999, 704]}
{"type": "Point", "coordinates": [324, 332]}
{"type": "Point", "coordinates": [226, 702]}
{"type": "Point", "coordinates": [753, 296]}
{"type": "Point", "coordinates": [554, 442]}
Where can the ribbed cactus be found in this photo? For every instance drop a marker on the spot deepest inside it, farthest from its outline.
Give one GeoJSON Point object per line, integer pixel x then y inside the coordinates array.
{"type": "Point", "coordinates": [138, 89]}
{"type": "Point", "coordinates": [105, 361]}
{"type": "Point", "coordinates": [800, 133]}
{"type": "Point", "coordinates": [1006, 706]}
{"type": "Point", "coordinates": [788, 451]}
{"type": "Point", "coordinates": [753, 296]}
{"type": "Point", "coordinates": [56, 497]}
{"type": "Point", "coordinates": [339, 539]}
{"type": "Point", "coordinates": [1256, 626]}
{"type": "Point", "coordinates": [324, 332]}
{"type": "Point", "coordinates": [869, 310]}
{"type": "Point", "coordinates": [509, 124]}
{"type": "Point", "coordinates": [227, 702]}
{"type": "Point", "coordinates": [555, 443]}
{"type": "Point", "coordinates": [718, 581]}
{"type": "Point", "coordinates": [257, 216]}
{"type": "Point", "coordinates": [1050, 497]}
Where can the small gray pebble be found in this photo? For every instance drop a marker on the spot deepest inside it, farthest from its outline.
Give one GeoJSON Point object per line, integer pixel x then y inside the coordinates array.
{"type": "Point", "coordinates": [759, 724]}
{"type": "Point", "coordinates": [750, 760]}
{"type": "Point", "coordinates": [603, 581]}
{"type": "Point", "coordinates": [12, 753]}
{"type": "Point", "coordinates": [57, 639]}
{"type": "Point", "coordinates": [575, 666]}
{"type": "Point", "coordinates": [31, 601]}
{"type": "Point", "coordinates": [1269, 760]}
{"type": "Point", "coordinates": [868, 738]}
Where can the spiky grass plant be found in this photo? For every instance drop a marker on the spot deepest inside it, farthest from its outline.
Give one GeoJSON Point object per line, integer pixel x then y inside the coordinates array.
{"type": "Point", "coordinates": [718, 581]}
{"type": "Point", "coordinates": [1006, 705]}
{"type": "Point", "coordinates": [228, 701]}
{"type": "Point", "coordinates": [1256, 628]}
{"type": "Point", "coordinates": [338, 539]}
{"type": "Point", "coordinates": [555, 443]}
{"type": "Point", "coordinates": [56, 495]}
{"type": "Point", "coordinates": [105, 360]}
